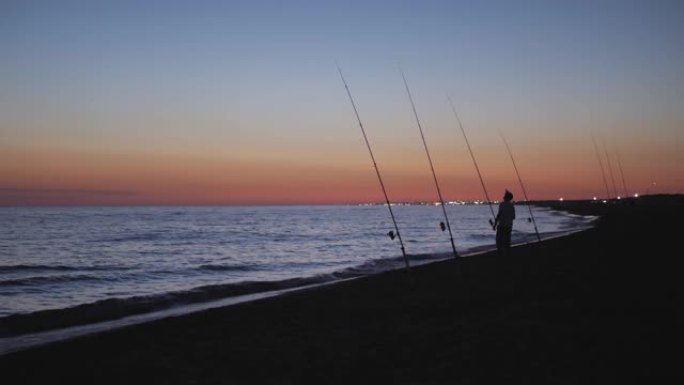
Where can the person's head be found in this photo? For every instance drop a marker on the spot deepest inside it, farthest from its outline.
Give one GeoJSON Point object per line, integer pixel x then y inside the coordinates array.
{"type": "Point", "coordinates": [508, 196]}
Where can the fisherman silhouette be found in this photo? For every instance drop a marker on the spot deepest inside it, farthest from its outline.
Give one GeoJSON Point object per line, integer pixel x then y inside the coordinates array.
{"type": "Point", "coordinates": [503, 224]}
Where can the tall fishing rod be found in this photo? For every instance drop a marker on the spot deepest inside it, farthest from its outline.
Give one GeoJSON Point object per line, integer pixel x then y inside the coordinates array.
{"type": "Point", "coordinates": [603, 173]}
{"type": "Point", "coordinates": [610, 168]}
{"type": "Point", "coordinates": [472, 156]}
{"type": "Point", "coordinates": [377, 172]}
{"type": "Point", "coordinates": [624, 185]}
{"type": "Point", "coordinates": [522, 186]}
{"type": "Point", "coordinates": [434, 175]}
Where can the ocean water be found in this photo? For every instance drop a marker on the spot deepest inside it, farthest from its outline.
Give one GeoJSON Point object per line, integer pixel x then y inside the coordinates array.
{"type": "Point", "coordinates": [64, 266]}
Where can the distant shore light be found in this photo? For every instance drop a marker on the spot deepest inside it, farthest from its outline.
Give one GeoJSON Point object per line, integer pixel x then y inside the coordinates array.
{"type": "Point", "coordinates": [561, 199]}
{"type": "Point", "coordinates": [636, 195]}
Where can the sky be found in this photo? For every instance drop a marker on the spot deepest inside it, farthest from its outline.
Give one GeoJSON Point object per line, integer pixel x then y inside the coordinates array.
{"type": "Point", "coordinates": [240, 102]}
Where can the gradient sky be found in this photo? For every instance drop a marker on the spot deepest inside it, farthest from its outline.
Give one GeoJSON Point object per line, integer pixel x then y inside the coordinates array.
{"type": "Point", "coordinates": [240, 102]}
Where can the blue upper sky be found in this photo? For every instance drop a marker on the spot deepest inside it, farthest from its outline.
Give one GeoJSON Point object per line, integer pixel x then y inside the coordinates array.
{"type": "Point", "coordinates": [237, 75]}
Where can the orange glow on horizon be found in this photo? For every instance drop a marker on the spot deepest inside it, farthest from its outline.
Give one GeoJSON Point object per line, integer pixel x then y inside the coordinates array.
{"type": "Point", "coordinates": [44, 176]}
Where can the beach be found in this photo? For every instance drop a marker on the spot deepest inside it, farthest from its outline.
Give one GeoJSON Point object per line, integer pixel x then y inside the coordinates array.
{"type": "Point", "coordinates": [601, 305]}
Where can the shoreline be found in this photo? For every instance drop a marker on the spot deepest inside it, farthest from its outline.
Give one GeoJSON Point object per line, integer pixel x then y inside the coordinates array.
{"type": "Point", "coordinates": [25, 331]}
{"type": "Point", "coordinates": [552, 311]}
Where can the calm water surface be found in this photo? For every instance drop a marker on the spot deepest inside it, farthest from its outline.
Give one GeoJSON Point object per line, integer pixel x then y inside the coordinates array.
{"type": "Point", "coordinates": [58, 258]}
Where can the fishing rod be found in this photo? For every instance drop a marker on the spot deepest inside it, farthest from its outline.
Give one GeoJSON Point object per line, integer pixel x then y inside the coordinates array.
{"type": "Point", "coordinates": [472, 156]}
{"type": "Point", "coordinates": [610, 168]}
{"type": "Point", "coordinates": [522, 186]}
{"type": "Point", "coordinates": [624, 185]}
{"type": "Point", "coordinates": [603, 173]}
{"type": "Point", "coordinates": [377, 172]}
{"type": "Point", "coordinates": [434, 175]}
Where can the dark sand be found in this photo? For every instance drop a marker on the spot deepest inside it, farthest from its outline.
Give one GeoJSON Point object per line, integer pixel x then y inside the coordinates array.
{"type": "Point", "coordinates": [601, 306]}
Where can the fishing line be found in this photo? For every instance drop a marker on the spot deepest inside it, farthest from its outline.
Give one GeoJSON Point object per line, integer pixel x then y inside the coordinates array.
{"type": "Point", "coordinates": [472, 156]}
{"type": "Point", "coordinates": [610, 168]}
{"type": "Point", "coordinates": [377, 172]}
{"type": "Point", "coordinates": [603, 173]}
{"type": "Point", "coordinates": [432, 168]}
{"type": "Point", "coordinates": [624, 185]}
{"type": "Point", "coordinates": [522, 186]}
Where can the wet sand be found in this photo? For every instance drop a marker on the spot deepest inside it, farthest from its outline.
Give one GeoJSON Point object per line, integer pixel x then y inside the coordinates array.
{"type": "Point", "coordinates": [601, 305]}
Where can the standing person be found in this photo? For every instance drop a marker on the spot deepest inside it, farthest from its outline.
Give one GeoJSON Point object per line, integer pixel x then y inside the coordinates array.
{"type": "Point", "coordinates": [503, 224]}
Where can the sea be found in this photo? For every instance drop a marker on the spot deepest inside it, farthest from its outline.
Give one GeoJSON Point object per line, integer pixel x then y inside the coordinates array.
{"type": "Point", "coordinates": [64, 267]}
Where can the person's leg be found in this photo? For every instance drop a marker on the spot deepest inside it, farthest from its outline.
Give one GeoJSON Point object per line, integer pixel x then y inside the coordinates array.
{"type": "Point", "coordinates": [507, 239]}
{"type": "Point", "coordinates": [499, 241]}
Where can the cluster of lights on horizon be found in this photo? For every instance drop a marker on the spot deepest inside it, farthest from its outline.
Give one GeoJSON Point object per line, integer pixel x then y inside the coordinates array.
{"type": "Point", "coordinates": [473, 202]}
